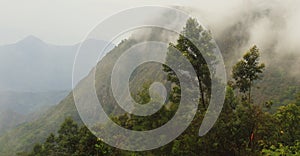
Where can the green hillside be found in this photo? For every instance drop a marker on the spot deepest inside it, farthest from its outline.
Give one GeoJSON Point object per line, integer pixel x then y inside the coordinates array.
{"type": "Point", "coordinates": [22, 138]}
{"type": "Point", "coordinates": [26, 135]}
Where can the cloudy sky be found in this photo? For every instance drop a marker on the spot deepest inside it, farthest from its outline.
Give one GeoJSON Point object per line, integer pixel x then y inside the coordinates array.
{"type": "Point", "coordinates": [68, 21]}
{"type": "Point", "coordinates": [270, 24]}
{"type": "Point", "coordinates": [56, 21]}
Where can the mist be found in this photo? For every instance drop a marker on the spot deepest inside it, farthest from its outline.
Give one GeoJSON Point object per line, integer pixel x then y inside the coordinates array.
{"type": "Point", "coordinates": [272, 25]}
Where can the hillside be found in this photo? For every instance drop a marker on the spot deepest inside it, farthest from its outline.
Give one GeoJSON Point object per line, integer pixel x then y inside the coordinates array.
{"type": "Point", "coordinates": [36, 75]}
{"type": "Point", "coordinates": [24, 136]}
{"type": "Point", "coordinates": [9, 119]}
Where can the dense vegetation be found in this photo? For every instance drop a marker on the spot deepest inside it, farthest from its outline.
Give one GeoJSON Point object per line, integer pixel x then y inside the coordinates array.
{"type": "Point", "coordinates": [245, 130]}
{"type": "Point", "coordinates": [245, 127]}
{"type": "Point", "coordinates": [277, 86]}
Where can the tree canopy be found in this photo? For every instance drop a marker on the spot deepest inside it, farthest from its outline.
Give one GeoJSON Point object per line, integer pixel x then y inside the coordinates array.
{"type": "Point", "coordinates": [243, 127]}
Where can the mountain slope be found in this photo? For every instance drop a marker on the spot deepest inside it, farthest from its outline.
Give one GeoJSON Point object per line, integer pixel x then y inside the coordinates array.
{"type": "Point", "coordinates": [24, 136]}
{"type": "Point", "coordinates": [36, 75]}
{"type": "Point", "coordinates": [9, 119]}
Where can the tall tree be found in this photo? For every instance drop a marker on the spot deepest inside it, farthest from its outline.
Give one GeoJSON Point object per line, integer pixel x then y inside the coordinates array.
{"type": "Point", "coordinates": [195, 43]}
{"type": "Point", "coordinates": [247, 70]}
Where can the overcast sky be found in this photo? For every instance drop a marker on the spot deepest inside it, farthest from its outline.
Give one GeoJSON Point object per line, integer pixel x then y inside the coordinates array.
{"type": "Point", "coordinates": [68, 21]}
{"type": "Point", "coordinates": [59, 21]}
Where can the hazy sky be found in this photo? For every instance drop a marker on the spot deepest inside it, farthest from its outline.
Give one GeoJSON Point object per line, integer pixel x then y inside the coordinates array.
{"type": "Point", "coordinates": [270, 24]}
{"type": "Point", "coordinates": [57, 21]}
{"type": "Point", "coordinates": [68, 21]}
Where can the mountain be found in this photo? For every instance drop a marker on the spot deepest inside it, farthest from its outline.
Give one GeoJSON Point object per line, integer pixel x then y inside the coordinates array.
{"type": "Point", "coordinates": [9, 119]}
{"type": "Point", "coordinates": [24, 136]}
{"type": "Point", "coordinates": [35, 76]}
{"type": "Point", "coordinates": [19, 107]}
{"type": "Point", "coordinates": [28, 102]}
{"type": "Point", "coordinates": [32, 65]}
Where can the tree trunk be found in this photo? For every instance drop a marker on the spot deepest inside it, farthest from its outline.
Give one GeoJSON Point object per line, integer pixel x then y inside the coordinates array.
{"type": "Point", "coordinates": [202, 92]}
{"type": "Point", "coordinates": [249, 94]}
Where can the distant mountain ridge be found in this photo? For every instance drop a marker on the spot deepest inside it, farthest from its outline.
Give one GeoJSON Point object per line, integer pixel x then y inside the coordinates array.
{"type": "Point", "coordinates": [32, 65]}
{"type": "Point", "coordinates": [36, 75]}
{"type": "Point", "coordinates": [24, 136]}
{"type": "Point", "coordinates": [29, 102]}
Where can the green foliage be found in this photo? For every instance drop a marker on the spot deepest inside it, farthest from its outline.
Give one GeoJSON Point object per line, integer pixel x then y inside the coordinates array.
{"type": "Point", "coordinates": [230, 136]}
{"type": "Point", "coordinates": [247, 70]}
{"type": "Point", "coordinates": [67, 137]}
{"type": "Point", "coordinates": [288, 123]}
{"type": "Point", "coordinates": [71, 140]}
{"type": "Point", "coordinates": [282, 150]}
{"type": "Point", "coordinates": [277, 86]}
{"type": "Point", "coordinates": [24, 136]}
{"type": "Point", "coordinates": [297, 99]}
{"type": "Point", "coordinates": [243, 128]}
{"type": "Point", "coordinates": [195, 44]}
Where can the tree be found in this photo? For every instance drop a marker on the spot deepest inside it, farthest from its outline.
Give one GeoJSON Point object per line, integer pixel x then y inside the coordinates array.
{"type": "Point", "coordinates": [50, 146]}
{"type": "Point", "coordinates": [242, 128]}
{"type": "Point", "coordinates": [68, 137]}
{"type": "Point", "coordinates": [247, 70]}
{"type": "Point", "coordinates": [288, 118]}
{"type": "Point", "coordinates": [37, 150]}
{"type": "Point", "coordinates": [193, 43]}
{"type": "Point", "coordinates": [282, 150]}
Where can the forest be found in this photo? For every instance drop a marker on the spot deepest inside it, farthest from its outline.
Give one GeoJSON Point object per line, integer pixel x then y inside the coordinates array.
{"type": "Point", "coordinates": [246, 126]}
